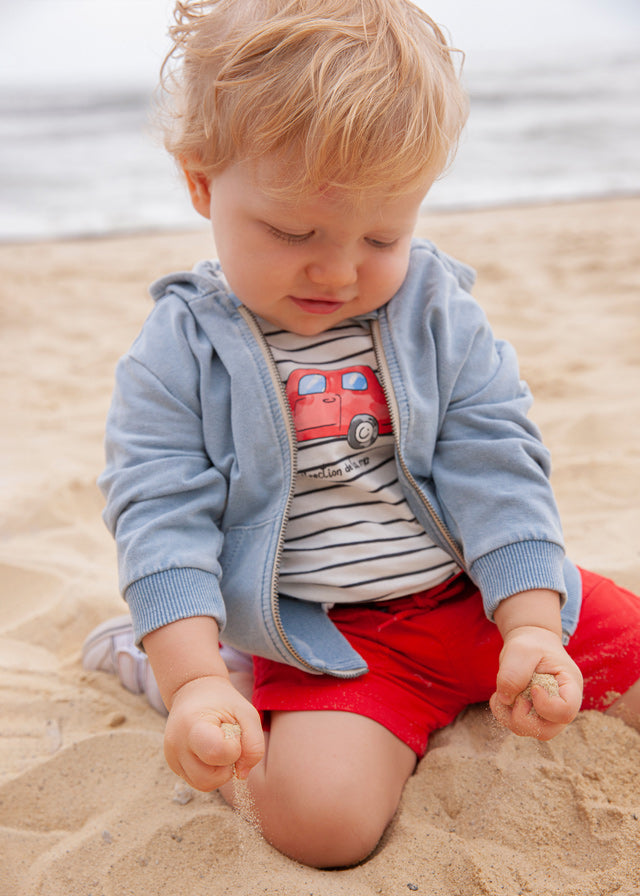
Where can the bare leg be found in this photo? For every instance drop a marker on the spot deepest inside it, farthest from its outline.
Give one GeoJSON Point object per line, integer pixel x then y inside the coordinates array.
{"type": "Point", "coordinates": [328, 786]}
{"type": "Point", "coordinates": [627, 707]}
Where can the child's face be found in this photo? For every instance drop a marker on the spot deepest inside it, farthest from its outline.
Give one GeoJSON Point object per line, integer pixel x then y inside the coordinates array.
{"type": "Point", "coordinates": [305, 265]}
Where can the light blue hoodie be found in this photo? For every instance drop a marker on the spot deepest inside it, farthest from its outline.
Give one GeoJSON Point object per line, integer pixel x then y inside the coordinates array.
{"type": "Point", "coordinates": [201, 461]}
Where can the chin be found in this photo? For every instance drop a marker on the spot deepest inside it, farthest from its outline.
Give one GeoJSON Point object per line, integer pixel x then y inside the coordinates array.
{"type": "Point", "coordinates": [313, 326]}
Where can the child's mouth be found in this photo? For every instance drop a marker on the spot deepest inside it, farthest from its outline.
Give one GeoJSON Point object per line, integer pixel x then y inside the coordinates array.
{"type": "Point", "coordinates": [316, 306]}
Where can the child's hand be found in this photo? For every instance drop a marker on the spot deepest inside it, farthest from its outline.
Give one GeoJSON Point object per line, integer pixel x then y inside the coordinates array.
{"type": "Point", "coordinates": [529, 649]}
{"type": "Point", "coordinates": [196, 746]}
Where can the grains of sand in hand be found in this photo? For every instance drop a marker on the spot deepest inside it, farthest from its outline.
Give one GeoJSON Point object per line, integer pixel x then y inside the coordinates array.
{"type": "Point", "coordinates": [543, 680]}
{"type": "Point", "coordinates": [230, 730]}
{"type": "Point", "coordinates": [242, 798]}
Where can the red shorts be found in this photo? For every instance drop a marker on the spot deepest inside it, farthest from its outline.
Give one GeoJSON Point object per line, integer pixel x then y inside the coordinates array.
{"type": "Point", "coordinates": [432, 654]}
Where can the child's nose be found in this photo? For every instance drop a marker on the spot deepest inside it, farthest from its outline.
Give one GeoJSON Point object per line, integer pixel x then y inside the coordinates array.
{"type": "Point", "coordinates": [334, 268]}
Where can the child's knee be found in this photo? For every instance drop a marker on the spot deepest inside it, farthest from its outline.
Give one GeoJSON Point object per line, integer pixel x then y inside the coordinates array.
{"type": "Point", "coordinates": [329, 786]}
{"type": "Point", "coordinates": [326, 828]}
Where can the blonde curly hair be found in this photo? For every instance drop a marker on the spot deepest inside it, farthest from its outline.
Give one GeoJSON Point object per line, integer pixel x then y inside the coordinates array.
{"type": "Point", "coordinates": [359, 94]}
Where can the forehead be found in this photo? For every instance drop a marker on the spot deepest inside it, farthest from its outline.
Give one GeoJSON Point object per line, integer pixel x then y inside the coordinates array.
{"type": "Point", "coordinates": [268, 181]}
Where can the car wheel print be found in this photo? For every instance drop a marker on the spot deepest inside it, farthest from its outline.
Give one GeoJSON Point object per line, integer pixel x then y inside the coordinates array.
{"type": "Point", "coordinates": [363, 431]}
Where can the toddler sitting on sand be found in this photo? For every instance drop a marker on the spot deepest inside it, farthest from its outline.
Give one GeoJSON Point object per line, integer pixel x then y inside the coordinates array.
{"type": "Point", "coordinates": [319, 455]}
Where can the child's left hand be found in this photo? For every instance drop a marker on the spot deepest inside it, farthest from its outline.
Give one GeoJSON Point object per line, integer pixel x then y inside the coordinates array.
{"type": "Point", "coordinates": [528, 649]}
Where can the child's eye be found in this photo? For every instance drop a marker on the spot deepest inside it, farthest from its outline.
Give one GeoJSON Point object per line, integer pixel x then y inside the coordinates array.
{"type": "Point", "coordinates": [381, 244]}
{"type": "Point", "coordinates": [290, 238]}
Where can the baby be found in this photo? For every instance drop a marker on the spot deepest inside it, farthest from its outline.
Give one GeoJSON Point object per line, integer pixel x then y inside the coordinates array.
{"type": "Point", "coordinates": [334, 520]}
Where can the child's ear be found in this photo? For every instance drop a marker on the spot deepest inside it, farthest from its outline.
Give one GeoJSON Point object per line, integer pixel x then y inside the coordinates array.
{"type": "Point", "coordinates": [198, 185]}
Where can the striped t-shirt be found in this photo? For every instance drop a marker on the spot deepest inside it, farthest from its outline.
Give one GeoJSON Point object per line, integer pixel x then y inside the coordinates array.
{"type": "Point", "coordinates": [351, 535]}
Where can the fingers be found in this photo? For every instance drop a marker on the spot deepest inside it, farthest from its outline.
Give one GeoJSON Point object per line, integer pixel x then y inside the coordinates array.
{"type": "Point", "coordinates": [543, 709]}
{"type": "Point", "coordinates": [206, 759]}
{"type": "Point", "coordinates": [538, 686]}
{"type": "Point", "coordinates": [209, 743]}
{"type": "Point", "coordinates": [522, 719]}
{"type": "Point", "coordinates": [212, 733]}
{"type": "Point", "coordinates": [559, 705]}
{"type": "Point", "coordinates": [202, 758]}
{"type": "Point", "coordinates": [514, 675]}
{"type": "Point", "coordinates": [207, 756]}
{"type": "Point", "coordinates": [252, 743]}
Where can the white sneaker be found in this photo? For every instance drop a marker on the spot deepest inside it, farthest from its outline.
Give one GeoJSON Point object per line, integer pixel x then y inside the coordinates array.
{"type": "Point", "coordinates": [110, 648]}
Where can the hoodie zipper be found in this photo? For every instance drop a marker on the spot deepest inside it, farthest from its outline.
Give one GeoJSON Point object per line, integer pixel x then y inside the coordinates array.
{"type": "Point", "coordinates": [385, 378]}
{"type": "Point", "coordinates": [293, 451]}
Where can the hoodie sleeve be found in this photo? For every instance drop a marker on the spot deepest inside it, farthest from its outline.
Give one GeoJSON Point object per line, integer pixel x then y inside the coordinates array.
{"type": "Point", "coordinates": [493, 470]}
{"type": "Point", "coordinates": [164, 498]}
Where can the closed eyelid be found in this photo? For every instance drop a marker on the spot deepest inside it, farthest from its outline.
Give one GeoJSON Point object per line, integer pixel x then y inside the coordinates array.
{"type": "Point", "coordinates": [288, 237]}
{"type": "Point", "coordinates": [381, 244]}
{"type": "Point", "coordinates": [299, 238]}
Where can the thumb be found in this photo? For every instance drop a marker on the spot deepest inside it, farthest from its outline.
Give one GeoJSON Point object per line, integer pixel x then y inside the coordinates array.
{"type": "Point", "coordinates": [512, 679]}
{"type": "Point", "coordinates": [208, 742]}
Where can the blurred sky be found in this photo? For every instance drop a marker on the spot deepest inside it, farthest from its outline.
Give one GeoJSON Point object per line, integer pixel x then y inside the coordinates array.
{"type": "Point", "coordinates": [121, 43]}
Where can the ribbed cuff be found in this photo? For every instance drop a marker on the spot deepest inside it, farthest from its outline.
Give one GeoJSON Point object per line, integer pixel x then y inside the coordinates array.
{"type": "Point", "coordinates": [173, 594]}
{"type": "Point", "coordinates": [523, 566]}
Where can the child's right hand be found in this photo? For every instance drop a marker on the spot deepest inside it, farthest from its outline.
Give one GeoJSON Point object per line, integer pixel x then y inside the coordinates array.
{"type": "Point", "coordinates": [196, 747]}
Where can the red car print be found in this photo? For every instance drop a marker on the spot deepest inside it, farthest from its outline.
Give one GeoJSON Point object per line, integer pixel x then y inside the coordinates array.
{"type": "Point", "coordinates": [347, 403]}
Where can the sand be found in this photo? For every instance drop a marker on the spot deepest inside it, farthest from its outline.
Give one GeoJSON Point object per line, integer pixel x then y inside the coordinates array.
{"type": "Point", "coordinates": [87, 804]}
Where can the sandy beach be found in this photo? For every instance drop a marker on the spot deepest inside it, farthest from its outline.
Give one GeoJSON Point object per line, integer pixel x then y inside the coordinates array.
{"type": "Point", "coordinates": [88, 806]}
